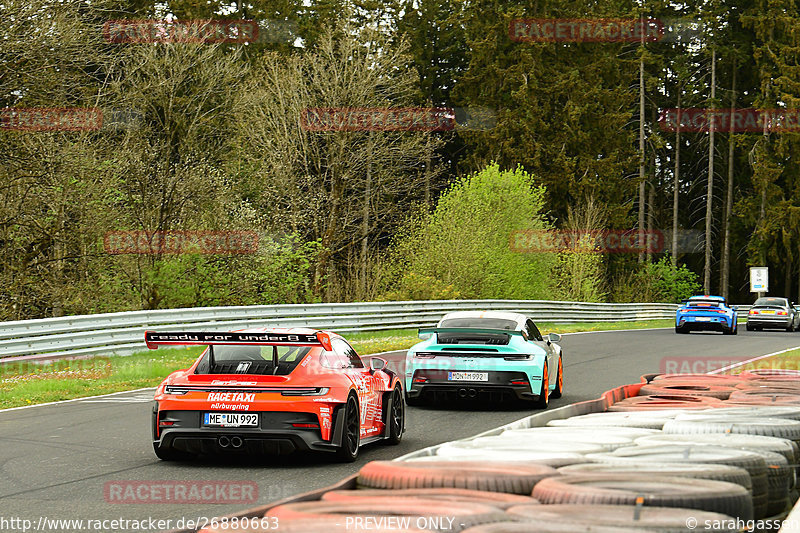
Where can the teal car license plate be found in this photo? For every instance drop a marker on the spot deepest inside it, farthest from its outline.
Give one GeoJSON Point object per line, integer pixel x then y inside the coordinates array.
{"type": "Point", "coordinates": [468, 376]}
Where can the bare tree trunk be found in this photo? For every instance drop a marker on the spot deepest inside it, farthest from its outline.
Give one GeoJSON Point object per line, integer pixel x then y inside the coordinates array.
{"type": "Point", "coordinates": [676, 186]}
{"type": "Point", "coordinates": [788, 279]}
{"type": "Point", "coordinates": [365, 221]}
{"type": "Point", "coordinates": [641, 157]}
{"type": "Point", "coordinates": [60, 253]}
{"type": "Point", "coordinates": [762, 213]}
{"type": "Point", "coordinates": [428, 178]}
{"type": "Point", "coordinates": [726, 245]}
{"type": "Point", "coordinates": [651, 202]}
{"type": "Point", "coordinates": [710, 190]}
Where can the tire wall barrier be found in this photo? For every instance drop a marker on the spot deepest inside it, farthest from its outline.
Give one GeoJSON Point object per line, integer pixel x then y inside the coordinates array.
{"type": "Point", "coordinates": [539, 419]}
{"type": "Point", "coordinates": [730, 463]}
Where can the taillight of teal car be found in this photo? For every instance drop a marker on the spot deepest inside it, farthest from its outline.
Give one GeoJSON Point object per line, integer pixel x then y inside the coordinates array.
{"type": "Point", "coordinates": [706, 313]}
{"type": "Point", "coordinates": [484, 355]}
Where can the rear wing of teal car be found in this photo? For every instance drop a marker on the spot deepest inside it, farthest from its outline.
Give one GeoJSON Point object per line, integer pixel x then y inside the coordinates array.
{"type": "Point", "coordinates": [475, 331]}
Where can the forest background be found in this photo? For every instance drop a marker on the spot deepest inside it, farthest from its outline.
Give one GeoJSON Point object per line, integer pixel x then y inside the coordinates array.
{"type": "Point", "coordinates": [550, 135]}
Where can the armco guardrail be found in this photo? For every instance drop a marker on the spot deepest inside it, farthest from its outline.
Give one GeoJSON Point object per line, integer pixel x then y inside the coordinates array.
{"type": "Point", "coordinates": [120, 333]}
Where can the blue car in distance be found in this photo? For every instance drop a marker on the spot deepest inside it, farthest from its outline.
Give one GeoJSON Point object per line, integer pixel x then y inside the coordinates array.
{"type": "Point", "coordinates": [485, 355]}
{"type": "Point", "coordinates": [706, 313]}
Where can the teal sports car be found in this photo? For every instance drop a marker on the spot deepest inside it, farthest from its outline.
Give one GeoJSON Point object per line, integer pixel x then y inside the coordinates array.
{"type": "Point", "coordinates": [484, 354]}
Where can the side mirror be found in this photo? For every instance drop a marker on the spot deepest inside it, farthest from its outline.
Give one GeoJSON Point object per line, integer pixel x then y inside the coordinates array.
{"type": "Point", "coordinates": [425, 336]}
{"type": "Point", "coordinates": [554, 337]}
{"type": "Point", "coordinates": [376, 363]}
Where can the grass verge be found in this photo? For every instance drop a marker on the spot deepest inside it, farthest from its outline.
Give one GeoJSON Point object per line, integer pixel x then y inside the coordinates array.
{"type": "Point", "coordinates": [784, 361]}
{"type": "Point", "coordinates": [27, 384]}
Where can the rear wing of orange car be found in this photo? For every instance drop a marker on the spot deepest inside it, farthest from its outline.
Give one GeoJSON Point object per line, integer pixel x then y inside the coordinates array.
{"type": "Point", "coordinates": [154, 339]}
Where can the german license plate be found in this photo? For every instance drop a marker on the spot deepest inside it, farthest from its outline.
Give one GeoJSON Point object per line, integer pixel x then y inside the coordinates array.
{"type": "Point", "coordinates": [230, 420]}
{"type": "Point", "coordinates": [468, 376]}
{"type": "Point", "coordinates": [703, 319]}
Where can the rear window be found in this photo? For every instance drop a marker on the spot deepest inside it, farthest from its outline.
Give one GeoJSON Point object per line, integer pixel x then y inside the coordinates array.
{"type": "Point", "coordinates": [772, 302]}
{"type": "Point", "coordinates": [252, 359]}
{"type": "Point", "coordinates": [480, 323]}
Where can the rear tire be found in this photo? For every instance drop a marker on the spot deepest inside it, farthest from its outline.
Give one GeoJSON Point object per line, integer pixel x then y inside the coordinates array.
{"type": "Point", "coordinates": [396, 417]}
{"type": "Point", "coordinates": [351, 434]}
{"type": "Point", "coordinates": [544, 393]}
{"type": "Point", "coordinates": [681, 329]}
{"type": "Point", "coordinates": [559, 381]}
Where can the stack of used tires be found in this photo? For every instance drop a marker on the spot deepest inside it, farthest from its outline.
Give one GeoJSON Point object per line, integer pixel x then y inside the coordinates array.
{"type": "Point", "coordinates": [521, 496]}
{"type": "Point", "coordinates": [683, 454]}
{"type": "Point", "coordinates": [681, 391]}
{"type": "Point", "coordinates": [767, 387]}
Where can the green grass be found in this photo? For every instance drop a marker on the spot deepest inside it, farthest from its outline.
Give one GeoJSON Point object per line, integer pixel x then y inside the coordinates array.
{"type": "Point", "coordinates": [604, 326]}
{"type": "Point", "coordinates": [787, 361]}
{"type": "Point", "coordinates": [63, 380]}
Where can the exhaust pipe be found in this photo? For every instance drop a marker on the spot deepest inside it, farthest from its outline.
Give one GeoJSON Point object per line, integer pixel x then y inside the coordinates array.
{"type": "Point", "coordinates": [472, 393]}
{"type": "Point", "coordinates": [462, 393]}
{"type": "Point", "coordinates": [224, 441]}
{"type": "Point", "coordinates": [236, 441]}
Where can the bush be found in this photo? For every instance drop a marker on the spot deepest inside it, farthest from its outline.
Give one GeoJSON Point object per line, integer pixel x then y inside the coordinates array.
{"type": "Point", "coordinates": [671, 284]}
{"type": "Point", "coordinates": [657, 282]}
{"type": "Point", "coordinates": [463, 249]}
{"type": "Point", "coordinates": [414, 286]}
{"type": "Point", "coordinates": [580, 276]}
{"type": "Point", "coordinates": [279, 273]}
{"type": "Point", "coordinates": [580, 269]}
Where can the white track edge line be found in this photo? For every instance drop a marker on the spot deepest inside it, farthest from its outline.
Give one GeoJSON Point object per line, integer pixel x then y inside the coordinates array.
{"type": "Point", "coordinates": [741, 363]}
{"type": "Point", "coordinates": [610, 331]}
{"type": "Point", "coordinates": [74, 399]}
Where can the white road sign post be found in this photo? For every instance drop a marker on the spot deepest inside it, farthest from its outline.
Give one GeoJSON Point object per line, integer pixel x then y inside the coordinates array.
{"type": "Point", "coordinates": [759, 279]}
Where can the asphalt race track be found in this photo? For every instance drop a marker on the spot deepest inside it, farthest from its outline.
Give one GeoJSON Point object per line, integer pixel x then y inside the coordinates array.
{"type": "Point", "coordinates": [56, 459]}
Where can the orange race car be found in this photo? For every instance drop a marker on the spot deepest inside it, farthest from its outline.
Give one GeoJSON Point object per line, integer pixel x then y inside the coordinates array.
{"type": "Point", "coordinates": [274, 391]}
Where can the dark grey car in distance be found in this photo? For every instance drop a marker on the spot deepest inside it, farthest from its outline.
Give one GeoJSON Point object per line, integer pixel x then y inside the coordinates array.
{"type": "Point", "coordinates": [773, 313]}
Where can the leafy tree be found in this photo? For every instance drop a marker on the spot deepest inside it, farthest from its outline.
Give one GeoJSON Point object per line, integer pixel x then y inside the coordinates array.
{"type": "Point", "coordinates": [466, 241]}
{"type": "Point", "coordinates": [563, 108]}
